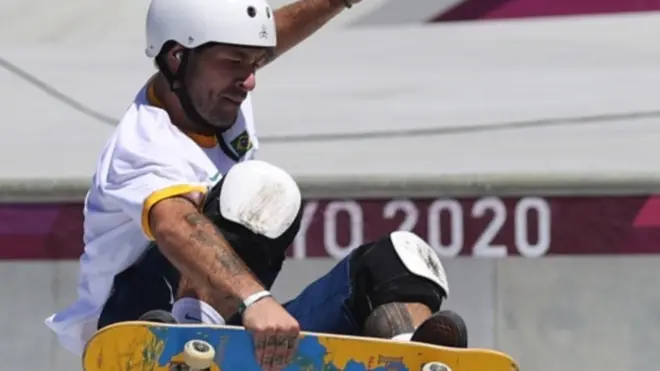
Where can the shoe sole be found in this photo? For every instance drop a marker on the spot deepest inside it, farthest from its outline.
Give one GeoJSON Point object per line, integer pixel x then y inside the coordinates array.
{"type": "Point", "coordinates": [158, 316]}
{"type": "Point", "coordinates": [444, 328]}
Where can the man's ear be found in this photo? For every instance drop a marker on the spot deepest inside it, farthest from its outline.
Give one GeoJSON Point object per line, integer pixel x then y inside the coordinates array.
{"type": "Point", "coordinates": [173, 57]}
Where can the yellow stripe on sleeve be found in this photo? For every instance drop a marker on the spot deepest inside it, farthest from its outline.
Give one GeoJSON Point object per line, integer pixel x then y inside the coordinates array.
{"type": "Point", "coordinates": [157, 196]}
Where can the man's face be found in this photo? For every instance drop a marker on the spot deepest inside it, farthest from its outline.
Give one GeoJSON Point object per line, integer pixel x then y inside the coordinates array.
{"type": "Point", "coordinates": [218, 79]}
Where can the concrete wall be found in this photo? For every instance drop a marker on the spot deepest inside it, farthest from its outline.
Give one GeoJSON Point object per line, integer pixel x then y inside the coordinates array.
{"type": "Point", "coordinates": [560, 313]}
{"type": "Point", "coordinates": [483, 94]}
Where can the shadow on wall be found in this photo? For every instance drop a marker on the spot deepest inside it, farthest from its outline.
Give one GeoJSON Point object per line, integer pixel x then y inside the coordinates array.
{"type": "Point", "coordinates": [395, 12]}
{"type": "Point", "coordinates": [502, 9]}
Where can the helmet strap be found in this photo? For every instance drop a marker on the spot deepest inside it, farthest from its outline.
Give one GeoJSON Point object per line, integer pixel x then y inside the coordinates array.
{"type": "Point", "coordinates": [176, 82]}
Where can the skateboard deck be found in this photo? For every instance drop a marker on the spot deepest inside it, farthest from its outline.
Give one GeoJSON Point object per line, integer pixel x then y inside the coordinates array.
{"type": "Point", "coordinates": [136, 346]}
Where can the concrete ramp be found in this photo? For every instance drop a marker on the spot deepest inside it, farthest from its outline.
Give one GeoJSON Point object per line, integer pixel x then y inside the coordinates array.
{"type": "Point", "coordinates": [88, 23]}
{"type": "Point", "coordinates": [461, 98]}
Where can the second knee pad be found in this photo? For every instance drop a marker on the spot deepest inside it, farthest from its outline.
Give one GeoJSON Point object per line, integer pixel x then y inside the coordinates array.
{"type": "Point", "coordinates": [398, 268]}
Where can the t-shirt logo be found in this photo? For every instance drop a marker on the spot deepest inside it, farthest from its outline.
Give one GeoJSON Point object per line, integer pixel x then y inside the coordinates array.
{"type": "Point", "coordinates": [242, 143]}
{"type": "Point", "coordinates": [214, 179]}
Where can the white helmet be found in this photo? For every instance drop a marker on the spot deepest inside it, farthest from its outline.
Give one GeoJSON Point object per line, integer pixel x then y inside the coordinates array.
{"type": "Point", "coordinates": [192, 23]}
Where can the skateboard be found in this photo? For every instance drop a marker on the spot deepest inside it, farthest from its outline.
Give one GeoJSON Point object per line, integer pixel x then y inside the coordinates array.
{"type": "Point", "coordinates": [137, 346]}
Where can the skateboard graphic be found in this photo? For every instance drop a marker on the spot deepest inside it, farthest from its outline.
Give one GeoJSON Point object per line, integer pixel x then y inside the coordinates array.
{"type": "Point", "coordinates": [137, 346]}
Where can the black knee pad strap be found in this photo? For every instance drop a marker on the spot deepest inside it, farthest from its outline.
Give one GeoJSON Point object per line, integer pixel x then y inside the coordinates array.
{"type": "Point", "coordinates": [379, 277]}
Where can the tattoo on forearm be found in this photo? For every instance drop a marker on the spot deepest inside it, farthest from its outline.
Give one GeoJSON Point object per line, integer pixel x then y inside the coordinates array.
{"type": "Point", "coordinates": [210, 268]}
{"type": "Point", "coordinates": [206, 233]}
{"type": "Point", "coordinates": [389, 320]}
{"type": "Point", "coordinates": [195, 219]}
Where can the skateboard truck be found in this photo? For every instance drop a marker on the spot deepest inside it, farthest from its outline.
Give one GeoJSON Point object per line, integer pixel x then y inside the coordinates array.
{"type": "Point", "coordinates": [198, 355]}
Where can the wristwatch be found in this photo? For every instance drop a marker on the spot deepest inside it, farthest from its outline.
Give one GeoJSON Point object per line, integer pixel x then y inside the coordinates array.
{"type": "Point", "coordinates": [252, 299]}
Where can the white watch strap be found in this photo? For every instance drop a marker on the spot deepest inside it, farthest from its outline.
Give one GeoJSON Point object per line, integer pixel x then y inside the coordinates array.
{"type": "Point", "coordinates": [253, 299]}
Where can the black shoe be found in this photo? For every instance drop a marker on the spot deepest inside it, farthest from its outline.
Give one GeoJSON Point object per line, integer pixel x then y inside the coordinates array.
{"type": "Point", "coordinates": [159, 316]}
{"type": "Point", "coordinates": [444, 328]}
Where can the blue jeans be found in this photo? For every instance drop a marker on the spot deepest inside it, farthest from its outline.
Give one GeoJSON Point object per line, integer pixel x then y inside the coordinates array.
{"type": "Point", "coordinates": [321, 306]}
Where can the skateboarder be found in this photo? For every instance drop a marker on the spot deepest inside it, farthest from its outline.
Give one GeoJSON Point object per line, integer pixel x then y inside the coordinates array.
{"type": "Point", "coordinates": [183, 224]}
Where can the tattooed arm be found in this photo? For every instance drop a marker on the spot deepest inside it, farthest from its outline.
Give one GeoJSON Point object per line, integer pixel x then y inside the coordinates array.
{"type": "Point", "coordinates": [299, 20]}
{"type": "Point", "coordinates": [199, 251]}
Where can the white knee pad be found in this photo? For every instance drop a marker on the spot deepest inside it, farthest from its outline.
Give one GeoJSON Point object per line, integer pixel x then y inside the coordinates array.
{"type": "Point", "coordinates": [261, 197]}
{"type": "Point", "coordinates": [419, 258]}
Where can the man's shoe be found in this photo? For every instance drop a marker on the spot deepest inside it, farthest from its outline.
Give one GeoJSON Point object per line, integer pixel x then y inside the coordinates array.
{"type": "Point", "coordinates": [159, 316]}
{"type": "Point", "coordinates": [444, 328]}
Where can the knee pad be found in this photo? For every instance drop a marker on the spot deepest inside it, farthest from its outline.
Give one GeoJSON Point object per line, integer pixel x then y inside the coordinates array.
{"type": "Point", "coordinates": [257, 206]}
{"type": "Point", "coordinates": [260, 197]}
{"type": "Point", "coordinates": [398, 268]}
{"type": "Point", "coordinates": [419, 258]}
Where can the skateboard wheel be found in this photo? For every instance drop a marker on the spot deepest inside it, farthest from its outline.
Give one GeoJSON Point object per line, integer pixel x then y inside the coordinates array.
{"type": "Point", "coordinates": [198, 354]}
{"type": "Point", "coordinates": [435, 366]}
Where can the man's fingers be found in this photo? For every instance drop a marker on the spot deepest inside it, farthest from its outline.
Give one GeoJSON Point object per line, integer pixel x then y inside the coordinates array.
{"type": "Point", "coordinates": [291, 347]}
{"type": "Point", "coordinates": [269, 351]}
{"type": "Point", "coordinates": [275, 337]}
{"type": "Point", "coordinates": [260, 340]}
{"type": "Point", "coordinates": [292, 338]}
{"type": "Point", "coordinates": [279, 357]}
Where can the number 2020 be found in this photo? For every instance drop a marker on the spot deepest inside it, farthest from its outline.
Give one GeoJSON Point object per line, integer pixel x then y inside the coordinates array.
{"type": "Point", "coordinates": [484, 246]}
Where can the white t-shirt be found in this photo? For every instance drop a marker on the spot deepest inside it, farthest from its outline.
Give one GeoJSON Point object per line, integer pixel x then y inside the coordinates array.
{"type": "Point", "coordinates": [146, 160]}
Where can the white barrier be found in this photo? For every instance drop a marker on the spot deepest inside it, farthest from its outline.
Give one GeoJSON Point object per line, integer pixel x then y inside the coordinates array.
{"type": "Point", "coordinates": [70, 190]}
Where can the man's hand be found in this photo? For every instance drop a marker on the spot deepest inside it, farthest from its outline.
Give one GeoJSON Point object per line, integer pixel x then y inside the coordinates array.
{"type": "Point", "coordinates": [275, 333]}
